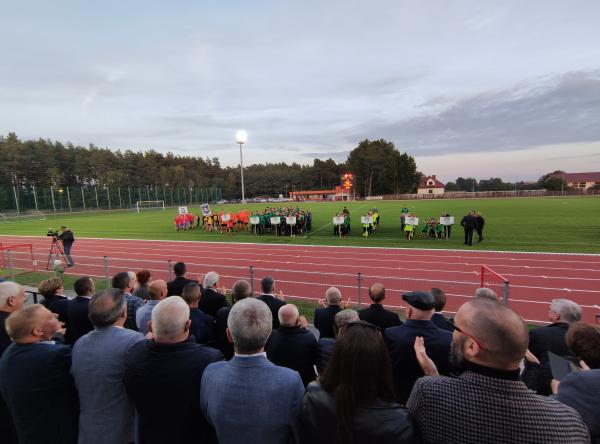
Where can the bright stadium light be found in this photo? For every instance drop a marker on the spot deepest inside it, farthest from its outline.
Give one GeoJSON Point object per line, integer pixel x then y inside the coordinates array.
{"type": "Point", "coordinates": [241, 137]}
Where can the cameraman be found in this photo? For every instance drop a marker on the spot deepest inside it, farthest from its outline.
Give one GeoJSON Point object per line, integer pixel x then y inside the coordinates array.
{"type": "Point", "coordinates": [66, 236]}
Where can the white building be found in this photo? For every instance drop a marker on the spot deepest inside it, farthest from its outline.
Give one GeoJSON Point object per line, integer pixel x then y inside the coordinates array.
{"type": "Point", "coordinates": [430, 185]}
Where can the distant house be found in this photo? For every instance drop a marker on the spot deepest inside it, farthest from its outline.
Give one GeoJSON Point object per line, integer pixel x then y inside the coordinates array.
{"type": "Point", "coordinates": [581, 181]}
{"type": "Point", "coordinates": [430, 185]}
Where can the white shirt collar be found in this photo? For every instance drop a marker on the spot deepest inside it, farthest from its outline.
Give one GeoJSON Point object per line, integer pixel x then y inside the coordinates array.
{"type": "Point", "coordinates": [252, 356]}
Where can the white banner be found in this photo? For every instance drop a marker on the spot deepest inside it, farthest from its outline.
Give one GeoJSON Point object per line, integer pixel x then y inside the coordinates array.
{"type": "Point", "coordinates": [366, 219]}
{"type": "Point", "coordinates": [254, 220]}
{"type": "Point", "coordinates": [448, 220]}
{"type": "Point", "coordinates": [290, 220]}
{"type": "Point", "coordinates": [275, 220]}
{"type": "Point", "coordinates": [225, 218]}
{"type": "Point", "coordinates": [183, 210]}
{"type": "Point", "coordinates": [374, 198]}
{"type": "Point", "coordinates": [338, 220]}
{"type": "Point", "coordinates": [412, 220]}
{"type": "Point", "coordinates": [205, 210]}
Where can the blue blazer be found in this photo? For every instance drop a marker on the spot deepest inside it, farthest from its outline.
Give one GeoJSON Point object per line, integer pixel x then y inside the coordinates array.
{"type": "Point", "coordinates": [250, 398]}
{"type": "Point", "coordinates": [40, 393]}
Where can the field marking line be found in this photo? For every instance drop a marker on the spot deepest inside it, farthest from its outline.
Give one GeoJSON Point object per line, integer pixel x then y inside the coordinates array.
{"type": "Point", "coordinates": [331, 223]}
{"type": "Point", "coordinates": [267, 244]}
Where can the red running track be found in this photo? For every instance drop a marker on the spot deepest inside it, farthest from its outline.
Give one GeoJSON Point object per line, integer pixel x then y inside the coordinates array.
{"type": "Point", "coordinates": [307, 271]}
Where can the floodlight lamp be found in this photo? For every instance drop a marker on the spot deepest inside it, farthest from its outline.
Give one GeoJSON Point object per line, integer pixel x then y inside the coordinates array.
{"type": "Point", "coordinates": [241, 136]}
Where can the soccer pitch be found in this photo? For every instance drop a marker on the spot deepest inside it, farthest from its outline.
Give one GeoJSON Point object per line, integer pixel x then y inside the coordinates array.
{"type": "Point", "coordinates": [570, 224]}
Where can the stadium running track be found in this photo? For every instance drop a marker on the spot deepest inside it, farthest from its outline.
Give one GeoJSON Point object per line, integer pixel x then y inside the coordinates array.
{"type": "Point", "coordinates": [307, 271]}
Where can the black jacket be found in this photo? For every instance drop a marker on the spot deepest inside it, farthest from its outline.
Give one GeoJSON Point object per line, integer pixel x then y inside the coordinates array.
{"type": "Point", "coordinates": [175, 287]}
{"type": "Point", "coordinates": [441, 322]}
{"type": "Point", "coordinates": [401, 344]}
{"type": "Point", "coordinates": [79, 322]}
{"type": "Point", "coordinates": [377, 315]}
{"type": "Point", "coordinates": [274, 305]}
{"type": "Point", "coordinates": [379, 422]}
{"type": "Point", "coordinates": [67, 237]}
{"type": "Point", "coordinates": [5, 340]}
{"type": "Point", "coordinates": [164, 382]}
{"type": "Point", "coordinates": [324, 351]}
{"type": "Point", "coordinates": [469, 222]}
{"type": "Point", "coordinates": [324, 319]}
{"type": "Point", "coordinates": [211, 301]}
{"type": "Point", "coordinates": [39, 391]}
{"type": "Point", "coordinates": [480, 222]}
{"type": "Point", "coordinates": [58, 304]}
{"type": "Point", "coordinates": [221, 341]}
{"type": "Point", "coordinates": [295, 348]}
{"type": "Point", "coordinates": [202, 327]}
{"type": "Point", "coordinates": [541, 341]}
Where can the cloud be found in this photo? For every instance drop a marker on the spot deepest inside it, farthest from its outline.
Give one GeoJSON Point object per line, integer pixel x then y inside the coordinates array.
{"type": "Point", "coordinates": [551, 110]}
{"type": "Point", "coordinates": [339, 156]}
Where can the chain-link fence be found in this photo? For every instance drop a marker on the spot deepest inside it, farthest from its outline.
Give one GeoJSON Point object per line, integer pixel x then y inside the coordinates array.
{"type": "Point", "coordinates": [23, 199]}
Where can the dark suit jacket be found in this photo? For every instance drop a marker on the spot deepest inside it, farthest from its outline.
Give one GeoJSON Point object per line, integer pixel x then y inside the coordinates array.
{"type": "Point", "coordinates": [7, 428]}
{"type": "Point", "coordinates": [79, 322]}
{"type": "Point", "coordinates": [295, 348]}
{"type": "Point", "coordinates": [58, 304]}
{"type": "Point", "coordinates": [324, 351]}
{"type": "Point", "coordinates": [324, 319]}
{"type": "Point", "coordinates": [274, 305]}
{"type": "Point", "coordinates": [377, 315]}
{"type": "Point", "coordinates": [541, 341]}
{"type": "Point", "coordinates": [211, 301]}
{"type": "Point", "coordinates": [441, 322]}
{"type": "Point", "coordinates": [5, 340]}
{"type": "Point", "coordinates": [469, 222]}
{"type": "Point", "coordinates": [401, 343]}
{"type": "Point", "coordinates": [40, 393]}
{"type": "Point", "coordinates": [221, 341]}
{"type": "Point", "coordinates": [175, 287]}
{"type": "Point", "coordinates": [203, 326]}
{"type": "Point", "coordinates": [164, 382]}
{"type": "Point", "coordinates": [581, 390]}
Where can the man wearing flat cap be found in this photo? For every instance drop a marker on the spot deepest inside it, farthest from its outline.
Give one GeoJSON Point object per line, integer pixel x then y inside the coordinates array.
{"type": "Point", "coordinates": [401, 340]}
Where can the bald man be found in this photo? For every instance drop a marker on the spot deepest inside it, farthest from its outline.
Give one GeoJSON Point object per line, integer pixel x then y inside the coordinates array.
{"type": "Point", "coordinates": [376, 314]}
{"type": "Point", "coordinates": [291, 345]}
{"type": "Point", "coordinates": [157, 290]}
{"type": "Point", "coordinates": [12, 297]}
{"type": "Point", "coordinates": [487, 402]}
{"type": "Point", "coordinates": [324, 318]}
{"type": "Point", "coordinates": [35, 380]}
{"type": "Point", "coordinates": [163, 377]}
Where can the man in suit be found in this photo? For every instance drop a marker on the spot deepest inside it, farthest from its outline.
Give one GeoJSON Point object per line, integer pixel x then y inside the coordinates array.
{"type": "Point", "coordinates": [400, 341]}
{"type": "Point", "coordinates": [469, 222]}
{"type": "Point", "coordinates": [107, 412]}
{"type": "Point", "coordinates": [291, 345]}
{"type": "Point", "coordinates": [440, 302]}
{"type": "Point", "coordinates": [487, 402]}
{"type": "Point", "coordinates": [376, 314]}
{"type": "Point", "coordinates": [122, 281]}
{"type": "Point", "coordinates": [157, 291]}
{"type": "Point", "coordinates": [249, 397]}
{"type": "Point", "coordinates": [79, 322]}
{"type": "Point", "coordinates": [213, 298]}
{"type": "Point", "coordinates": [273, 300]}
{"type": "Point", "coordinates": [241, 289]}
{"type": "Point", "coordinates": [561, 313]}
{"type": "Point", "coordinates": [202, 326]}
{"type": "Point", "coordinates": [34, 379]}
{"type": "Point", "coordinates": [480, 222]}
{"type": "Point", "coordinates": [12, 298]}
{"type": "Point", "coordinates": [325, 345]}
{"type": "Point", "coordinates": [162, 376]}
{"type": "Point", "coordinates": [324, 317]}
{"type": "Point", "coordinates": [175, 286]}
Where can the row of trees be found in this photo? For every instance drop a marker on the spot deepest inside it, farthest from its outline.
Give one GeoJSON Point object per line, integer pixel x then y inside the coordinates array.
{"type": "Point", "coordinates": [378, 166]}
{"type": "Point", "coordinates": [553, 181]}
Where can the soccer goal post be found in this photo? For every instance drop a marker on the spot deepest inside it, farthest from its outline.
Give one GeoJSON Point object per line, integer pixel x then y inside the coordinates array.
{"type": "Point", "coordinates": [149, 205]}
{"type": "Point", "coordinates": [22, 217]}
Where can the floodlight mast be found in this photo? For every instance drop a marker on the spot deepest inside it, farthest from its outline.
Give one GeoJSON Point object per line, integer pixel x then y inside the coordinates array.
{"type": "Point", "coordinates": [241, 137]}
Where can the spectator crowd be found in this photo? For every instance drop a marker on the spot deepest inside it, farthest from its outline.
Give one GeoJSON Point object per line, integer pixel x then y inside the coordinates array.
{"type": "Point", "coordinates": [149, 361]}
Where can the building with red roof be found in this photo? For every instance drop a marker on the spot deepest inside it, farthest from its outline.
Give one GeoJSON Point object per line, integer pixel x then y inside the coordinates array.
{"type": "Point", "coordinates": [430, 185]}
{"type": "Point", "coordinates": [581, 181]}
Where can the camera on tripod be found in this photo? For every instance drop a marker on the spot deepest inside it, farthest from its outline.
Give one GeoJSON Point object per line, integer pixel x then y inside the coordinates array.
{"type": "Point", "coordinates": [52, 233]}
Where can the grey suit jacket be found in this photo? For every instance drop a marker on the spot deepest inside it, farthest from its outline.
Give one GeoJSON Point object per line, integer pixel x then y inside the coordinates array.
{"type": "Point", "coordinates": [252, 398]}
{"type": "Point", "coordinates": [98, 365]}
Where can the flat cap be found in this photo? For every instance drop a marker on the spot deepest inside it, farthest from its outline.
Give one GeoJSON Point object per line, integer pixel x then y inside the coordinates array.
{"type": "Point", "coordinates": [423, 300]}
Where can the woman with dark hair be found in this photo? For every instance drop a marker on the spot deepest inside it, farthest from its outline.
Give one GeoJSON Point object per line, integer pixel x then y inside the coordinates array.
{"type": "Point", "coordinates": [143, 278]}
{"type": "Point", "coordinates": [353, 401]}
{"type": "Point", "coordinates": [52, 289]}
{"type": "Point", "coordinates": [581, 389]}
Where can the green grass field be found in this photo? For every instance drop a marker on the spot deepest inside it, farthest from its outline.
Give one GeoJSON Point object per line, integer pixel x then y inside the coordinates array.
{"type": "Point", "coordinates": [515, 224]}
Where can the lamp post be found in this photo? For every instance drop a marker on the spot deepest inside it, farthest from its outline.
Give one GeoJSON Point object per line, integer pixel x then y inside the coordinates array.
{"type": "Point", "coordinates": [241, 137]}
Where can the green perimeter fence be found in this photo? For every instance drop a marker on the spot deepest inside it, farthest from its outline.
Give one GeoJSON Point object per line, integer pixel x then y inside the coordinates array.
{"type": "Point", "coordinates": [23, 199]}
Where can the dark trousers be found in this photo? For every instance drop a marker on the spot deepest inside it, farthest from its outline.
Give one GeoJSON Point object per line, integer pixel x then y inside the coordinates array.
{"type": "Point", "coordinates": [480, 234]}
{"type": "Point", "coordinates": [67, 250]}
{"type": "Point", "coordinates": [469, 236]}
{"type": "Point", "coordinates": [447, 230]}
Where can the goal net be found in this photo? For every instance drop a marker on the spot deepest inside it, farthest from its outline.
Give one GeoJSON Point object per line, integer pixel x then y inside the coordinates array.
{"type": "Point", "coordinates": [22, 217]}
{"type": "Point", "coordinates": [16, 259]}
{"type": "Point", "coordinates": [149, 205]}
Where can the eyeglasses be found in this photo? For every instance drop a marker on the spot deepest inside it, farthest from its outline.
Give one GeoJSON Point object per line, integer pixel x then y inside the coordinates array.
{"type": "Point", "coordinates": [470, 336]}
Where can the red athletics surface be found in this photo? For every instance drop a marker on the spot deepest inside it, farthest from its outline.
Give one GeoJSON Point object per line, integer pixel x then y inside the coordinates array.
{"type": "Point", "coordinates": [307, 271]}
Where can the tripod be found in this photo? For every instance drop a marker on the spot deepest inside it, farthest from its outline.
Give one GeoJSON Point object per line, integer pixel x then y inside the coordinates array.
{"type": "Point", "coordinates": [56, 250]}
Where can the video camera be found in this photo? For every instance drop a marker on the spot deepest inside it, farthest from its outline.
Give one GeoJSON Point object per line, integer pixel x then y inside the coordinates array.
{"type": "Point", "coordinates": [52, 233]}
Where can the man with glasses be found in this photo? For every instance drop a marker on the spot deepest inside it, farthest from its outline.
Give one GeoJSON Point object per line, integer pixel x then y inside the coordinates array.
{"type": "Point", "coordinates": [488, 402]}
{"type": "Point", "coordinates": [400, 341]}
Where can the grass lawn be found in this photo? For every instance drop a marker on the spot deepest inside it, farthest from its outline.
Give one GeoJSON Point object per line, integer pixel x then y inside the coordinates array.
{"type": "Point", "coordinates": [570, 224]}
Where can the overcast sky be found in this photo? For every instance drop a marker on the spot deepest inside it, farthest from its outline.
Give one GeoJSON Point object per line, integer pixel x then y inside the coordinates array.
{"type": "Point", "coordinates": [478, 88]}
